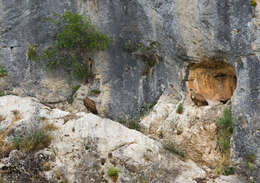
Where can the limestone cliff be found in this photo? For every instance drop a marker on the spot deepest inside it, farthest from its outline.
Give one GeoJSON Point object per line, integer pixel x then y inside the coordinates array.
{"type": "Point", "coordinates": [185, 32]}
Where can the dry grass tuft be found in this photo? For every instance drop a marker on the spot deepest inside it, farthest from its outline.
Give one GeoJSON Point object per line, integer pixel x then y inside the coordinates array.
{"type": "Point", "coordinates": [2, 118]}
{"type": "Point", "coordinates": [47, 166]}
{"type": "Point", "coordinates": [50, 127]}
{"type": "Point", "coordinates": [17, 115]}
{"type": "Point", "coordinates": [222, 163]}
{"type": "Point", "coordinates": [35, 140]}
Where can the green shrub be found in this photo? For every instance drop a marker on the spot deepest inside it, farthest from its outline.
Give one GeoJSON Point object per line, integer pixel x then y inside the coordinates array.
{"type": "Point", "coordinates": [179, 109]}
{"type": "Point", "coordinates": [75, 40]}
{"type": "Point", "coordinates": [134, 123]}
{"type": "Point", "coordinates": [170, 147]}
{"type": "Point", "coordinates": [113, 172]}
{"type": "Point", "coordinates": [86, 148]}
{"type": "Point", "coordinates": [226, 121]}
{"type": "Point", "coordinates": [32, 54]}
{"type": "Point", "coordinates": [74, 90]}
{"type": "Point", "coordinates": [147, 109]}
{"type": "Point", "coordinates": [3, 71]}
{"type": "Point", "coordinates": [253, 3]}
{"type": "Point", "coordinates": [225, 130]}
{"type": "Point", "coordinates": [95, 92]}
{"type": "Point", "coordinates": [251, 157]}
{"type": "Point", "coordinates": [224, 143]}
{"type": "Point", "coordinates": [131, 123]}
{"type": "Point", "coordinates": [34, 140]}
{"type": "Point", "coordinates": [229, 171]}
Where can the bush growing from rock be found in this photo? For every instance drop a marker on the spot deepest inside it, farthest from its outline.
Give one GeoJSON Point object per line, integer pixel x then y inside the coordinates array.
{"type": "Point", "coordinates": [95, 92]}
{"type": "Point", "coordinates": [35, 139]}
{"type": "Point", "coordinates": [113, 172]}
{"type": "Point", "coordinates": [179, 109]}
{"type": "Point", "coordinates": [171, 148]}
{"type": "Point", "coordinates": [32, 54]}
{"type": "Point", "coordinates": [253, 3]}
{"type": "Point", "coordinates": [3, 71]}
{"type": "Point", "coordinates": [75, 40]}
{"type": "Point", "coordinates": [225, 130]}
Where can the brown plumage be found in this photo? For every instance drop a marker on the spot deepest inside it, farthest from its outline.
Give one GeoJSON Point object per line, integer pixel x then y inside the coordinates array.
{"type": "Point", "coordinates": [198, 99]}
{"type": "Point", "coordinates": [90, 105]}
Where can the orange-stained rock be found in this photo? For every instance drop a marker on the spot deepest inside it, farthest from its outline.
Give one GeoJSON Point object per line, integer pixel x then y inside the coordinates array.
{"type": "Point", "coordinates": [211, 81]}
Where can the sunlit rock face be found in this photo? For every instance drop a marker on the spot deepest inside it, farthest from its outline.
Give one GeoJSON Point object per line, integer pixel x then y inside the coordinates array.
{"type": "Point", "coordinates": [211, 82]}
{"type": "Point", "coordinates": [185, 30]}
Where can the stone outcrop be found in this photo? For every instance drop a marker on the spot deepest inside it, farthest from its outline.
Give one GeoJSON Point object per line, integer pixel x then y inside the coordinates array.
{"type": "Point", "coordinates": [84, 146]}
{"type": "Point", "coordinates": [186, 32]}
{"type": "Point", "coordinates": [193, 132]}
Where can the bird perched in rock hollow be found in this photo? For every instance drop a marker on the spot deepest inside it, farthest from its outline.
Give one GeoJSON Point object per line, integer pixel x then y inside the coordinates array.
{"type": "Point", "coordinates": [198, 99]}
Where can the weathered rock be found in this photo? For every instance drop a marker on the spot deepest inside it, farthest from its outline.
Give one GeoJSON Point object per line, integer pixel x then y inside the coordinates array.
{"type": "Point", "coordinates": [187, 32]}
{"type": "Point", "coordinates": [193, 132]}
{"type": "Point", "coordinates": [211, 82]}
{"type": "Point", "coordinates": [85, 146]}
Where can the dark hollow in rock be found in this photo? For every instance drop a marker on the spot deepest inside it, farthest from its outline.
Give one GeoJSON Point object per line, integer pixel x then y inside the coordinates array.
{"type": "Point", "coordinates": [211, 82]}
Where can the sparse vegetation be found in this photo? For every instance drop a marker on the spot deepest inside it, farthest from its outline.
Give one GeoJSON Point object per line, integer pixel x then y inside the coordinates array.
{"type": "Point", "coordinates": [77, 38]}
{"type": "Point", "coordinates": [223, 163]}
{"type": "Point", "coordinates": [17, 115]}
{"type": "Point", "coordinates": [149, 54]}
{"type": "Point", "coordinates": [225, 130]}
{"type": "Point", "coordinates": [3, 71]}
{"type": "Point", "coordinates": [171, 148]}
{"type": "Point", "coordinates": [253, 3]}
{"type": "Point", "coordinates": [2, 118]}
{"type": "Point", "coordinates": [146, 109]}
{"type": "Point", "coordinates": [42, 118]}
{"type": "Point", "coordinates": [74, 90]}
{"type": "Point", "coordinates": [131, 123]}
{"type": "Point", "coordinates": [134, 123]}
{"type": "Point", "coordinates": [32, 54]}
{"type": "Point", "coordinates": [35, 139]}
{"type": "Point", "coordinates": [179, 109]}
{"type": "Point", "coordinates": [95, 92]}
{"type": "Point", "coordinates": [229, 171]}
{"type": "Point", "coordinates": [86, 148]}
{"type": "Point", "coordinates": [47, 166]}
{"type": "Point", "coordinates": [113, 172]}
{"type": "Point", "coordinates": [49, 127]}
{"type": "Point", "coordinates": [250, 160]}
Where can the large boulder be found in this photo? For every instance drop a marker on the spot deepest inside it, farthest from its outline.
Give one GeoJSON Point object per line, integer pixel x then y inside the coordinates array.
{"type": "Point", "coordinates": [85, 146]}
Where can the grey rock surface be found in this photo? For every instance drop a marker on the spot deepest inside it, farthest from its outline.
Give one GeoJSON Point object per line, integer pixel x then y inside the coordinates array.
{"type": "Point", "coordinates": [187, 31]}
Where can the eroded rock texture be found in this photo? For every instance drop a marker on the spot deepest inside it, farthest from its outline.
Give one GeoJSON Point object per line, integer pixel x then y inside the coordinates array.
{"type": "Point", "coordinates": [84, 146]}
{"type": "Point", "coordinates": [211, 82]}
{"type": "Point", "coordinates": [186, 32]}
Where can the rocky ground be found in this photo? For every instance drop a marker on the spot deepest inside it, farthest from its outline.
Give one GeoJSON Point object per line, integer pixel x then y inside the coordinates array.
{"type": "Point", "coordinates": [85, 147]}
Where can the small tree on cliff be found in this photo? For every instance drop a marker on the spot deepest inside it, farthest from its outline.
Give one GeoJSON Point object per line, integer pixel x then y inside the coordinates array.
{"type": "Point", "coordinates": [76, 38]}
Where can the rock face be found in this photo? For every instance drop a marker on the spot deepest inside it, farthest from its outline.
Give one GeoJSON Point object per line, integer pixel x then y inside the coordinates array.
{"type": "Point", "coordinates": [85, 146]}
{"type": "Point", "coordinates": [211, 81]}
{"type": "Point", "coordinates": [193, 132]}
{"type": "Point", "coordinates": [186, 32]}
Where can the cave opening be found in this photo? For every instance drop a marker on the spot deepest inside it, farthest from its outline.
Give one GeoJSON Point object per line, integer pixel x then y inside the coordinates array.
{"type": "Point", "coordinates": [211, 82]}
